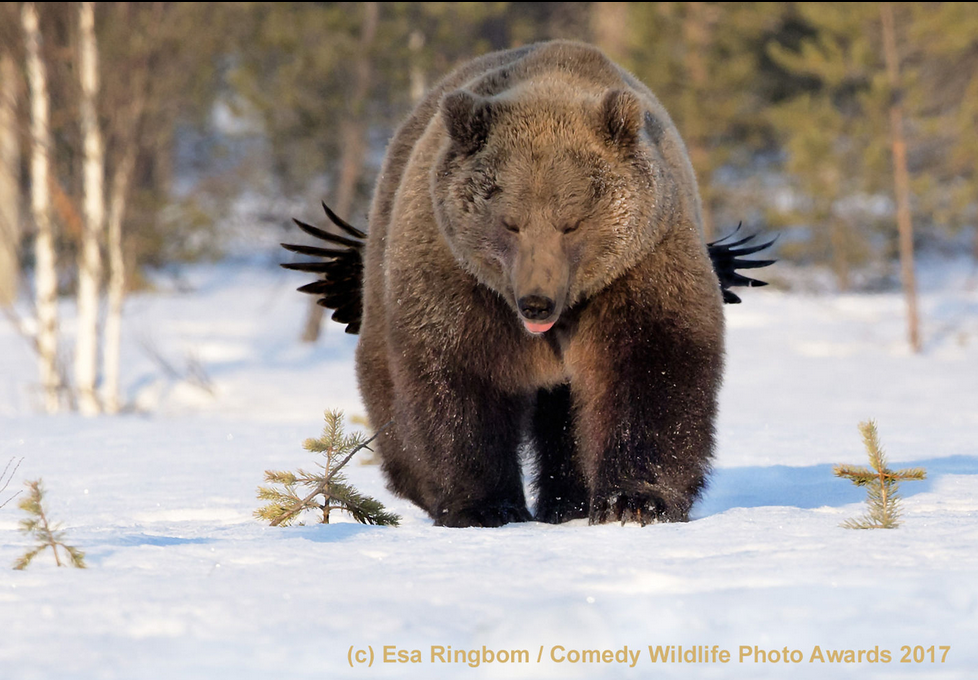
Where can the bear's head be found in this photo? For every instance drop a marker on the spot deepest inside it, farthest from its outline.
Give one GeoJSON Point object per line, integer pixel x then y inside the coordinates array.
{"type": "Point", "coordinates": [547, 194]}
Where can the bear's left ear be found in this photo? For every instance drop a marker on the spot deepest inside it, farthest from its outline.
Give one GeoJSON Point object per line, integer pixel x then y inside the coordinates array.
{"type": "Point", "coordinates": [621, 117]}
{"type": "Point", "coordinates": [468, 118]}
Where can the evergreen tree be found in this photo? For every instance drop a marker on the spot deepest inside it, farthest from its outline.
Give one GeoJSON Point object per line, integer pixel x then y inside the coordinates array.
{"type": "Point", "coordinates": [882, 483]}
{"type": "Point", "coordinates": [944, 74]}
{"type": "Point", "coordinates": [890, 108]}
{"type": "Point", "coordinates": [834, 131]}
{"type": "Point", "coordinates": [45, 534]}
{"type": "Point", "coordinates": [329, 488]}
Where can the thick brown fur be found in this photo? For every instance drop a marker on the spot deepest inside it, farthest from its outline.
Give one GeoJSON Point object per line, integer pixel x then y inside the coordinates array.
{"type": "Point", "coordinates": [541, 185]}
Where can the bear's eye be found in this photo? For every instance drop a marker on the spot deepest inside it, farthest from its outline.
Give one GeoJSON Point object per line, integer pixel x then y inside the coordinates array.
{"type": "Point", "coordinates": [511, 226]}
{"type": "Point", "coordinates": [568, 227]}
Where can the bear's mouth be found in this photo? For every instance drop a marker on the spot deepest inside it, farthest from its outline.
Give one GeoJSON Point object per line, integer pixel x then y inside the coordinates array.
{"type": "Point", "coordinates": [537, 328]}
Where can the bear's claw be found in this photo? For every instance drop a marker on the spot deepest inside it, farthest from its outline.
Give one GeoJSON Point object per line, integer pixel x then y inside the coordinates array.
{"type": "Point", "coordinates": [642, 508]}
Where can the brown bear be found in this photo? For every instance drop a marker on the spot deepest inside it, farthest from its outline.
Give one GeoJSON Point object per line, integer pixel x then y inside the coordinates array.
{"type": "Point", "coordinates": [535, 273]}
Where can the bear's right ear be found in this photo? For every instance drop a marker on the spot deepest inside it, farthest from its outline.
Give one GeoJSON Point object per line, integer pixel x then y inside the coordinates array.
{"type": "Point", "coordinates": [468, 118]}
{"type": "Point", "coordinates": [621, 117]}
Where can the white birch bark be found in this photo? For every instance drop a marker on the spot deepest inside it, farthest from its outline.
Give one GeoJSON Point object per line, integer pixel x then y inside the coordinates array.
{"type": "Point", "coordinates": [9, 181]}
{"type": "Point", "coordinates": [89, 257]}
{"type": "Point", "coordinates": [117, 280]}
{"type": "Point", "coordinates": [128, 124]}
{"type": "Point", "coordinates": [45, 273]}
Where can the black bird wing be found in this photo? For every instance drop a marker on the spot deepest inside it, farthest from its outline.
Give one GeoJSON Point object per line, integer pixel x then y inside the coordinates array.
{"type": "Point", "coordinates": [340, 269]}
{"type": "Point", "coordinates": [726, 258]}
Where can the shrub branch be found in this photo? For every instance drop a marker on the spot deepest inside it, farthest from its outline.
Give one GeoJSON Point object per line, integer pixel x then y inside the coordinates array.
{"type": "Point", "coordinates": [5, 477]}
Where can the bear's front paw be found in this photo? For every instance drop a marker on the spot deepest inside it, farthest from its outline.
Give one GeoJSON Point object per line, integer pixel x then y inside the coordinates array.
{"type": "Point", "coordinates": [643, 506]}
{"type": "Point", "coordinates": [489, 515]}
{"type": "Point", "coordinates": [558, 510]}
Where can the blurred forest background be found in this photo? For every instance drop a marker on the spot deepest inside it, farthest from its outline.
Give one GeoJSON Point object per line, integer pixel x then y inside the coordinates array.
{"type": "Point", "coordinates": [139, 135]}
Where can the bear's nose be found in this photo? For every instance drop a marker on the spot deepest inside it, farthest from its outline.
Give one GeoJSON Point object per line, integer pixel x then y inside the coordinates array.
{"type": "Point", "coordinates": [535, 307]}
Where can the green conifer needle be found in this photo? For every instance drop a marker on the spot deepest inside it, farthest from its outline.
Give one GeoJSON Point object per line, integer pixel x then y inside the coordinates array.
{"type": "Point", "coordinates": [881, 483]}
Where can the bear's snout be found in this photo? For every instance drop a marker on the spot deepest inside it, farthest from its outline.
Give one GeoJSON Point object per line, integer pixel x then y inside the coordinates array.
{"type": "Point", "coordinates": [536, 307]}
{"type": "Point", "coordinates": [533, 310]}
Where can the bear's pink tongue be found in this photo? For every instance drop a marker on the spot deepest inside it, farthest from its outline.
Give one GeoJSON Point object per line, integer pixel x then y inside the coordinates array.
{"type": "Point", "coordinates": [537, 327]}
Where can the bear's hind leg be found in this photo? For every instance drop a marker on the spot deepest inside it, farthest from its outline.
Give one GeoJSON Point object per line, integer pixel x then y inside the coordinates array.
{"type": "Point", "coordinates": [562, 493]}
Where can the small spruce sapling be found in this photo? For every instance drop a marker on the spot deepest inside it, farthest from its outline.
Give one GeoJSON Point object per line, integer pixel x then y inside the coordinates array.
{"type": "Point", "coordinates": [329, 489]}
{"type": "Point", "coordinates": [47, 536]}
{"type": "Point", "coordinates": [882, 484]}
{"type": "Point", "coordinates": [5, 477]}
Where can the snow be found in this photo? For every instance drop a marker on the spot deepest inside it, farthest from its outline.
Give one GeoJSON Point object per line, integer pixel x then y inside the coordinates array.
{"type": "Point", "coordinates": [184, 583]}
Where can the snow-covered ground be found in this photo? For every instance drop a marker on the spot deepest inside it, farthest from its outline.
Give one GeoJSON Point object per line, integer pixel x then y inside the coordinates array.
{"type": "Point", "coordinates": [184, 583]}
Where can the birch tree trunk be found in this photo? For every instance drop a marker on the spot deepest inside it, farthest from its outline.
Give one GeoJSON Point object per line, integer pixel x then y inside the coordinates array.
{"type": "Point", "coordinates": [417, 79]}
{"type": "Point", "coordinates": [117, 281]}
{"type": "Point", "coordinates": [353, 131]}
{"type": "Point", "coordinates": [89, 257]}
{"type": "Point", "coordinates": [9, 181]}
{"type": "Point", "coordinates": [901, 176]}
{"type": "Point", "coordinates": [128, 123]}
{"type": "Point", "coordinates": [45, 273]}
{"type": "Point", "coordinates": [121, 180]}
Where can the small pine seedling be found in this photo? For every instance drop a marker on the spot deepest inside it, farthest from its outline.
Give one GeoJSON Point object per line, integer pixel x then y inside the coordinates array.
{"type": "Point", "coordinates": [883, 498]}
{"type": "Point", "coordinates": [47, 536]}
{"type": "Point", "coordinates": [329, 489]}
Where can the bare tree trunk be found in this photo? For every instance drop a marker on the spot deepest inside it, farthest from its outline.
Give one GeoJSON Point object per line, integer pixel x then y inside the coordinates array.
{"type": "Point", "coordinates": [121, 180]}
{"type": "Point", "coordinates": [89, 257]}
{"type": "Point", "coordinates": [128, 125]}
{"type": "Point", "coordinates": [9, 181]}
{"type": "Point", "coordinates": [696, 39]}
{"type": "Point", "coordinates": [901, 176]}
{"type": "Point", "coordinates": [840, 253]}
{"type": "Point", "coordinates": [353, 140]}
{"type": "Point", "coordinates": [45, 273]}
{"type": "Point", "coordinates": [418, 85]}
{"type": "Point", "coordinates": [117, 279]}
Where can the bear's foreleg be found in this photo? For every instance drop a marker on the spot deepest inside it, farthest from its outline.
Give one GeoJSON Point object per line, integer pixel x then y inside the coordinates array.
{"type": "Point", "coordinates": [562, 493]}
{"type": "Point", "coordinates": [645, 392]}
{"type": "Point", "coordinates": [461, 435]}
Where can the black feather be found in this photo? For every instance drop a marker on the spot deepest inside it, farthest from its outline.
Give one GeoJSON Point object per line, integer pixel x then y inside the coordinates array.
{"type": "Point", "coordinates": [311, 267]}
{"type": "Point", "coordinates": [752, 264]}
{"type": "Point", "coordinates": [326, 236]}
{"type": "Point", "coordinates": [343, 224]}
{"type": "Point", "coordinates": [314, 251]}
